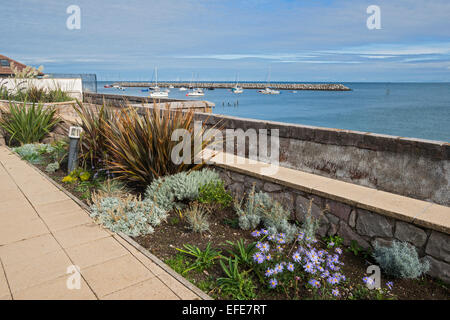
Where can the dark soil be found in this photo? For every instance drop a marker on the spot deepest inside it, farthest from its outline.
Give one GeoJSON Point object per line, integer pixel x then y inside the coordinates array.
{"type": "Point", "coordinates": [174, 234]}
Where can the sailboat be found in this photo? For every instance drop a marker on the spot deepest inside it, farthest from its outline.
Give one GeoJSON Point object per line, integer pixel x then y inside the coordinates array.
{"type": "Point", "coordinates": [268, 90]}
{"type": "Point", "coordinates": [196, 92]}
{"type": "Point", "coordinates": [157, 93]}
{"type": "Point", "coordinates": [237, 89]}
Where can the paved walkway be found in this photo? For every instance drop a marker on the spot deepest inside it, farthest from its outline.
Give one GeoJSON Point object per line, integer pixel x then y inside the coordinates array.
{"type": "Point", "coordinates": [43, 232]}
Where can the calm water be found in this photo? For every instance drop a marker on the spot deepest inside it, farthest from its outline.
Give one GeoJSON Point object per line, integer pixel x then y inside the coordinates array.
{"type": "Point", "coordinates": [420, 110]}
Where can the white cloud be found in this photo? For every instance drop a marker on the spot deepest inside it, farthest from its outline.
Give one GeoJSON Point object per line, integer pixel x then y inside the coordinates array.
{"type": "Point", "coordinates": [273, 56]}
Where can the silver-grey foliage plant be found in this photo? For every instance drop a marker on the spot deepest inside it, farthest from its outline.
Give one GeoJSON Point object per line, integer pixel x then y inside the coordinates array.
{"type": "Point", "coordinates": [168, 192]}
{"type": "Point", "coordinates": [261, 208]}
{"type": "Point", "coordinates": [52, 167]}
{"type": "Point", "coordinates": [400, 260]}
{"type": "Point", "coordinates": [129, 215]}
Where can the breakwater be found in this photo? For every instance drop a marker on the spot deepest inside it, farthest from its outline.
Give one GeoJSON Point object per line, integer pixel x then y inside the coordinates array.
{"type": "Point", "coordinates": [244, 85]}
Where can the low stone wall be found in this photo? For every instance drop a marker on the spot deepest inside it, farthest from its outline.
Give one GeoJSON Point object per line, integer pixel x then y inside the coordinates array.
{"type": "Point", "coordinates": [350, 223]}
{"type": "Point", "coordinates": [410, 167]}
{"type": "Point", "coordinates": [121, 101]}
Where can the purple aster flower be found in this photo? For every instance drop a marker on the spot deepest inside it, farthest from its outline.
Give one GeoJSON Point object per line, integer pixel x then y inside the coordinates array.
{"type": "Point", "coordinates": [256, 233]}
{"type": "Point", "coordinates": [264, 247]}
{"type": "Point", "coordinates": [332, 280]}
{"type": "Point", "coordinates": [290, 267]}
{"type": "Point", "coordinates": [368, 281]}
{"type": "Point", "coordinates": [269, 272]}
{"type": "Point", "coordinates": [268, 257]}
{"type": "Point", "coordinates": [258, 257]}
{"type": "Point", "coordinates": [338, 250]}
{"type": "Point", "coordinates": [309, 268]}
{"type": "Point", "coordinates": [273, 283]}
{"type": "Point", "coordinates": [279, 268]}
{"type": "Point", "coordinates": [314, 283]}
{"type": "Point", "coordinates": [325, 274]}
{"type": "Point", "coordinates": [335, 292]}
{"type": "Point", "coordinates": [390, 285]}
{"type": "Point", "coordinates": [296, 257]}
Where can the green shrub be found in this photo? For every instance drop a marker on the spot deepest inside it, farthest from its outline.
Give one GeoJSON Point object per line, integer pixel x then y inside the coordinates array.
{"type": "Point", "coordinates": [242, 253]}
{"type": "Point", "coordinates": [197, 218]}
{"type": "Point", "coordinates": [400, 260]}
{"type": "Point", "coordinates": [59, 151]}
{"type": "Point", "coordinates": [236, 285]}
{"type": "Point", "coordinates": [214, 192]}
{"type": "Point", "coordinates": [178, 263]}
{"type": "Point", "coordinates": [28, 124]}
{"type": "Point", "coordinates": [203, 259]}
{"type": "Point", "coordinates": [168, 192]}
{"type": "Point", "coordinates": [129, 215]}
{"type": "Point", "coordinates": [34, 94]}
{"type": "Point", "coordinates": [261, 208]}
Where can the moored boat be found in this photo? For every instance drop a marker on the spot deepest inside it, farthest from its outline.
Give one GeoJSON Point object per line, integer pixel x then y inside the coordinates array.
{"type": "Point", "coordinates": [196, 93]}
{"type": "Point", "coordinates": [269, 91]}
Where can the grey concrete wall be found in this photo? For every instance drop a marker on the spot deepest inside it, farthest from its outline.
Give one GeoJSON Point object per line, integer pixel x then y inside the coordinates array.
{"type": "Point", "coordinates": [117, 100]}
{"type": "Point", "coordinates": [410, 167]}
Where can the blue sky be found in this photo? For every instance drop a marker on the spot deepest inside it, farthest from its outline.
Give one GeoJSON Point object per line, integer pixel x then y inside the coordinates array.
{"type": "Point", "coordinates": [309, 40]}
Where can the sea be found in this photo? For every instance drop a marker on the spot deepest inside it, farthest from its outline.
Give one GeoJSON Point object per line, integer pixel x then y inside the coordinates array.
{"type": "Point", "coordinates": [415, 110]}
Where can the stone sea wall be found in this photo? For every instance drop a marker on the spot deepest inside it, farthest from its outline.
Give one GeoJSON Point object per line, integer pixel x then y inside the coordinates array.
{"type": "Point", "coordinates": [350, 223]}
{"type": "Point", "coordinates": [244, 85]}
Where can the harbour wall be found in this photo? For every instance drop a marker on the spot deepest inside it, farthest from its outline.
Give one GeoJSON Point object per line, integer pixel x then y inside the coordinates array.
{"type": "Point", "coordinates": [244, 85]}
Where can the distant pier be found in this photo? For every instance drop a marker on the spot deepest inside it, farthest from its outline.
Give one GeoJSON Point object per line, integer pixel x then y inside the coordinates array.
{"type": "Point", "coordinates": [244, 85]}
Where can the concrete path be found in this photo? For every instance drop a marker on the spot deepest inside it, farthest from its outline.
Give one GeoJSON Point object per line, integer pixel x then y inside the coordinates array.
{"type": "Point", "coordinates": [44, 233]}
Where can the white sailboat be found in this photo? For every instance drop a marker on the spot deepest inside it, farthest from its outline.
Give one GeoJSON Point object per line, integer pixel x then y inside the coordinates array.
{"type": "Point", "coordinates": [269, 90]}
{"type": "Point", "coordinates": [157, 93]}
{"type": "Point", "coordinates": [196, 92]}
{"type": "Point", "coordinates": [237, 89]}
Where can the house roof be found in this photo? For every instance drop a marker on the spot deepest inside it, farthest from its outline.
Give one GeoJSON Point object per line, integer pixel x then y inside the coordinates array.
{"type": "Point", "coordinates": [5, 67]}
